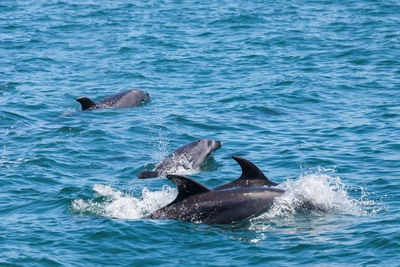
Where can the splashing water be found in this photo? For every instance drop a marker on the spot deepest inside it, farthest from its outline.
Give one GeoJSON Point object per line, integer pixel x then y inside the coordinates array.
{"type": "Point", "coordinates": [116, 204]}
{"type": "Point", "coordinates": [161, 150]}
{"type": "Point", "coordinates": [322, 193]}
{"type": "Point", "coordinates": [180, 165]}
{"type": "Point", "coordinates": [318, 192]}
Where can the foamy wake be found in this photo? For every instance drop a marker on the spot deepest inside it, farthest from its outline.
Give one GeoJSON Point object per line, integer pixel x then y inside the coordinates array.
{"type": "Point", "coordinates": [112, 203]}
{"type": "Point", "coordinates": [322, 193]}
{"type": "Point", "coordinates": [319, 192]}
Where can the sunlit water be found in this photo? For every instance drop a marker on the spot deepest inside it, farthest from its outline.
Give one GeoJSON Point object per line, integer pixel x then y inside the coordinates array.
{"type": "Point", "coordinates": [307, 91]}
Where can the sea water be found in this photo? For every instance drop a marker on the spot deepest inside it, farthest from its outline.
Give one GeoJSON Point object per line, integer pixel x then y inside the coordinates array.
{"type": "Point", "coordinates": [308, 91]}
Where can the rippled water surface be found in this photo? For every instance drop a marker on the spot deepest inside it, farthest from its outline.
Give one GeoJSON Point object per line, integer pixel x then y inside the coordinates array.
{"type": "Point", "coordinates": [308, 91]}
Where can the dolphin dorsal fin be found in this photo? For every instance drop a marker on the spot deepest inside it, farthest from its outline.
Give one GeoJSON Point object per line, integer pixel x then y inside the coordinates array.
{"type": "Point", "coordinates": [86, 102]}
{"type": "Point", "coordinates": [249, 170]}
{"type": "Point", "coordinates": [251, 176]}
{"type": "Point", "coordinates": [186, 187]}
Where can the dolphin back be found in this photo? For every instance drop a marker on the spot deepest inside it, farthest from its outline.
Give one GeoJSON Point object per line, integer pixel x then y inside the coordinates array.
{"type": "Point", "coordinates": [197, 203]}
{"type": "Point", "coordinates": [126, 99]}
{"type": "Point", "coordinates": [147, 174]}
{"type": "Point", "coordinates": [186, 187]}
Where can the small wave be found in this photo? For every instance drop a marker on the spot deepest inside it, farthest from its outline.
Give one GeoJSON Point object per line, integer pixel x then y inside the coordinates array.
{"type": "Point", "coordinates": [112, 203]}
{"type": "Point", "coordinates": [6, 162]}
{"type": "Point", "coordinates": [68, 129]}
{"type": "Point", "coordinates": [235, 20]}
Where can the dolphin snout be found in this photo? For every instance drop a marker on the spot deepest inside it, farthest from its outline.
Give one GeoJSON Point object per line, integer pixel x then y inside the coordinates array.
{"type": "Point", "coordinates": [218, 143]}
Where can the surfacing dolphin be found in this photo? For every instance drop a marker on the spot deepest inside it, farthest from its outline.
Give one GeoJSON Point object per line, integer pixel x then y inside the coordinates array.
{"type": "Point", "coordinates": [248, 196]}
{"type": "Point", "coordinates": [187, 157]}
{"type": "Point", "coordinates": [126, 99]}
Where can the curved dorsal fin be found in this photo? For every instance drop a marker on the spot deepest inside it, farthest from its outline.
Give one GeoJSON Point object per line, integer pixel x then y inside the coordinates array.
{"type": "Point", "coordinates": [251, 176]}
{"type": "Point", "coordinates": [186, 187]}
{"type": "Point", "coordinates": [86, 102]}
{"type": "Point", "coordinates": [249, 169]}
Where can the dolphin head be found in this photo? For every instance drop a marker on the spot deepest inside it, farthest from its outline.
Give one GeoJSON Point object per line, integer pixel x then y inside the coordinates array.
{"type": "Point", "coordinates": [209, 145]}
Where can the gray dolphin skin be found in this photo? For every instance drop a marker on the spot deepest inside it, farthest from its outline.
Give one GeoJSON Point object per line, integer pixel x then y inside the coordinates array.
{"type": "Point", "coordinates": [246, 197]}
{"type": "Point", "coordinates": [187, 157]}
{"type": "Point", "coordinates": [126, 99]}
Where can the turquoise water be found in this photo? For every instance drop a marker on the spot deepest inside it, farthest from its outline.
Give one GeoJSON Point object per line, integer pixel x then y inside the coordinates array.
{"type": "Point", "coordinates": [307, 90]}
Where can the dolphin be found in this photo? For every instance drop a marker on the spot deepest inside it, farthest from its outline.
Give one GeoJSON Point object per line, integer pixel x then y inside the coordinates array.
{"type": "Point", "coordinates": [189, 156]}
{"type": "Point", "coordinates": [126, 99]}
{"type": "Point", "coordinates": [248, 196]}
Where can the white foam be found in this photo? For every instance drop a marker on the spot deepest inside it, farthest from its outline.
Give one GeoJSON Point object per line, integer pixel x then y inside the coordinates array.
{"type": "Point", "coordinates": [181, 166]}
{"type": "Point", "coordinates": [327, 194]}
{"type": "Point", "coordinates": [117, 204]}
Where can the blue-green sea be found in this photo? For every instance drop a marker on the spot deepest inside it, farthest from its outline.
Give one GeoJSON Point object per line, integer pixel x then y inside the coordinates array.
{"type": "Point", "coordinates": [306, 90]}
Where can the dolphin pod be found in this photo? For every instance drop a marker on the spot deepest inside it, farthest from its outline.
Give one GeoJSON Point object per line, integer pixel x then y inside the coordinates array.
{"type": "Point", "coordinates": [248, 196]}
{"type": "Point", "coordinates": [126, 99]}
{"type": "Point", "coordinates": [187, 157]}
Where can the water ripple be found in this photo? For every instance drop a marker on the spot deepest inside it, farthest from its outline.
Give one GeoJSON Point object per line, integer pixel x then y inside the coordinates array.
{"type": "Point", "coordinates": [292, 87]}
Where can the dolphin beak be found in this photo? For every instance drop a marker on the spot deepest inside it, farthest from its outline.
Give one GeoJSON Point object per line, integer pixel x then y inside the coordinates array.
{"type": "Point", "coordinates": [218, 143]}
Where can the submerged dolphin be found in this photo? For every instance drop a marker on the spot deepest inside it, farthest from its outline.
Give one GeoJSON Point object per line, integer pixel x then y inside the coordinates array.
{"type": "Point", "coordinates": [125, 99]}
{"type": "Point", "coordinates": [246, 197]}
{"type": "Point", "coordinates": [189, 156]}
